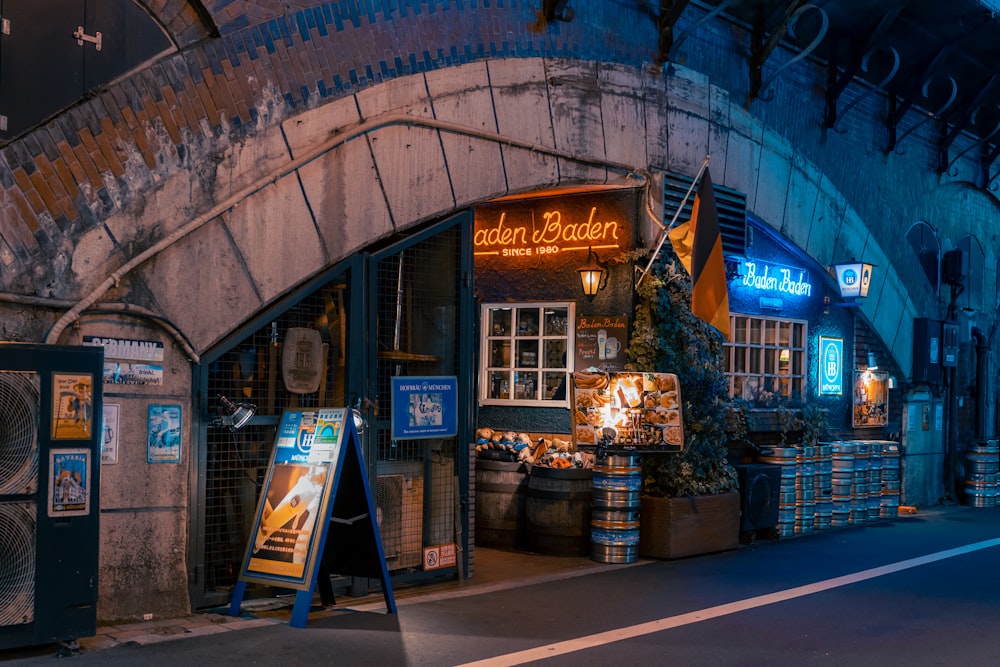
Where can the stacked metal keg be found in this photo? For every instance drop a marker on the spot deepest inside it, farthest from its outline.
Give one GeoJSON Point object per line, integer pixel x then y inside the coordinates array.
{"type": "Point", "coordinates": [842, 482]}
{"type": "Point", "coordinates": [785, 458]}
{"type": "Point", "coordinates": [891, 481]}
{"type": "Point", "coordinates": [616, 488]}
{"type": "Point", "coordinates": [874, 501]}
{"type": "Point", "coordinates": [859, 495]}
{"type": "Point", "coordinates": [981, 473]}
{"type": "Point", "coordinates": [824, 486]}
{"type": "Point", "coordinates": [805, 489]}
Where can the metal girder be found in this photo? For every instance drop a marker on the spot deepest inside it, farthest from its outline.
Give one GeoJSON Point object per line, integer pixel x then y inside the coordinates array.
{"type": "Point", "coordinates": [835, 85]}
{"type": "Point", "coordinates": [761, 48]}
{"type": "Point", "coordinates": [670, 13]}
{"type": "Point", "coordinates": [963, 117]}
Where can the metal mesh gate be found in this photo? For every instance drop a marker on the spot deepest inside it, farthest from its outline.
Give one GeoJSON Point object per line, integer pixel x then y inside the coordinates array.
{"type": "Point", "coordinates": [236, 463]}
{"type": "Point", "coordinates": [417, 327]}
{"type": "Point", "coordinates": [412, 316]}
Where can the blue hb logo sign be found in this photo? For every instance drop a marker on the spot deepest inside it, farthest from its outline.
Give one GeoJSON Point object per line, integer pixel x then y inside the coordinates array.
{"type": "Point", "coordinates": [850, 276]}
{"type": "Point", "coordinates": [831, 363]}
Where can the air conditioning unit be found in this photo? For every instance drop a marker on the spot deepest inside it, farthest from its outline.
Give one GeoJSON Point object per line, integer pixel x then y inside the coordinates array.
{"type": "Point", "coordinates": [760, 485]}
{"type": "Point", "coordinates": [50, 407]}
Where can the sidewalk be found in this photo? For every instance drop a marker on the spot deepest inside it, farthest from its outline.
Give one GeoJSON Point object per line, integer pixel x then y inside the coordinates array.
{"type": "Point", "coordinates": [494, 570]}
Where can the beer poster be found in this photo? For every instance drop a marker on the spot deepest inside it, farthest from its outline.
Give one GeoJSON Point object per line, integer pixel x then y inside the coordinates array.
{"type": "Point", "coordinates": [285, 537]}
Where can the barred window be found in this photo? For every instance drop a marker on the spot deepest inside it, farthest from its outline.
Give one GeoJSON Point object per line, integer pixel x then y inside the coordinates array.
{"type": "Point", "coordinates": [524, 358]}
{"type": "Point", "coordinates": [767, 357]}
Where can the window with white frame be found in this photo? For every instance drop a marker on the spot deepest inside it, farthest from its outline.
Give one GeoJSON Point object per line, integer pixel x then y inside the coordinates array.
{"type": "Point", "coordinates": [526, 353]}
{"type": "Point", "coordinates": [766, 357]}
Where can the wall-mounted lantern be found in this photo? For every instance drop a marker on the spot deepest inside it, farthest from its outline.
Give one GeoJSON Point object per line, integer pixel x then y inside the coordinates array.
{"type": "Point", "coordinates": [592, 275]}
{"type": "Point", "coordinates": [853, 279]}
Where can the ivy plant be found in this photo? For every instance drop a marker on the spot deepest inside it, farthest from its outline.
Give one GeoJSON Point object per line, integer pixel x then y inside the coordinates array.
{"type": "Point", "coordinates": [668, 338]}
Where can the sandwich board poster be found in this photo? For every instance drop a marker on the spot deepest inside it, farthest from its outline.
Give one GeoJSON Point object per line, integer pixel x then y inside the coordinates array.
{"type": "Point", "coordinates": [296, 491]}
{"type": "Point", "coordinates": [315, 515]}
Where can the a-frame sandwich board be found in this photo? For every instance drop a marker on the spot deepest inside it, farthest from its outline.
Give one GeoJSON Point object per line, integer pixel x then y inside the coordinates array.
{"type": "Point", "coordinates": [316, 514]}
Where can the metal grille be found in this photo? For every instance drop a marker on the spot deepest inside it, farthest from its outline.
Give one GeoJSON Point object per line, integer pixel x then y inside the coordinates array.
{"type": "Point", "coordinates": [237, 462]}
{"type": "Point", "coordinates": [415, 314]}
{"type": "Point", "coordinates": [416, 323]}
{"type": "Point", "coordinates": [730, 205]}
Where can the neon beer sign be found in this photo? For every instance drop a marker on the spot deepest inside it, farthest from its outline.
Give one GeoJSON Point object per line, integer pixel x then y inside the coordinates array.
{"type": "Point", "coordinates": [521, 232]}
{"type": "Point", "coordinates": [762, 277]}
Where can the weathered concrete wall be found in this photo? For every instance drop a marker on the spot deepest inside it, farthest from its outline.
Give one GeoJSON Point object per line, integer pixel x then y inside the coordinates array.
{"type": "Point", "coordinates": [144, 506]}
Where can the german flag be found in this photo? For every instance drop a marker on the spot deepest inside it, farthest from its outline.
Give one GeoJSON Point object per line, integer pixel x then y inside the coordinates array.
{"type": "Point", "coordinates": [698, 245]}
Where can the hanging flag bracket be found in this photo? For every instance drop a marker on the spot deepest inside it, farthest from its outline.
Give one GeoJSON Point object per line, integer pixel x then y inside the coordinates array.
{"type": "Point", "coordinates": [673, 221]}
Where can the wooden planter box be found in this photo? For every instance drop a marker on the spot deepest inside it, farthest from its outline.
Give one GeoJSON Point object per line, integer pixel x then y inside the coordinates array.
{"type": "Point", "coordinates": [679, 527]}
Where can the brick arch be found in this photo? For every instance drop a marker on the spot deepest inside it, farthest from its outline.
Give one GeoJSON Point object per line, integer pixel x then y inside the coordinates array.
{"type": "Point", "coordinates": [297, 198]}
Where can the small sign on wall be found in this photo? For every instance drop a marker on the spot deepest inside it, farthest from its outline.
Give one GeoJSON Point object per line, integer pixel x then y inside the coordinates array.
{"type": "Point", "coordinates": [163, 434]}
{"type": "Point", "coordinates": [424, 407]}
{"type": "Point", "coordinates": [831, 366]}
{"type": "Point", "coordinates": [109, 434]}
{"type": "Point", "coordinates": [601, 341]}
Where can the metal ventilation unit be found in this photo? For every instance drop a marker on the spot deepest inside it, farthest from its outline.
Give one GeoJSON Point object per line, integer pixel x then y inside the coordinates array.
{"type": "Point", "coordinates": [50, 407]}
{"type": "Point", "coordinates": [730, 205]}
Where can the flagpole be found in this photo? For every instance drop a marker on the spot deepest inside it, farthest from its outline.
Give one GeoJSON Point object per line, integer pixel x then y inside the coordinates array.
{"type": "Point", "coordinates": [666, 232]}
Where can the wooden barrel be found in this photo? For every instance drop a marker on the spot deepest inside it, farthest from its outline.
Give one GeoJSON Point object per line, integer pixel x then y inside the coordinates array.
{"type": "Point", "coordinates": [501, 500]}
{"type": "Point", "coordinates": [557, 511]}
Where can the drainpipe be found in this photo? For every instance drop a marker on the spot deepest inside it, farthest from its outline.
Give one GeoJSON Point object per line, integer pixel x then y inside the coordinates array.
{"type": "Point", "coordinates": [983, 430]}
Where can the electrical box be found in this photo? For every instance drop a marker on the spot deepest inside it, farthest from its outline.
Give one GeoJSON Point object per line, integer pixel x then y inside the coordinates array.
{"type": "Point", "coordinates": [927, 350]}
{"type": "Point", "coordinates": [954, 267]}
{"type": "Point", "coordinates": [949, 344]}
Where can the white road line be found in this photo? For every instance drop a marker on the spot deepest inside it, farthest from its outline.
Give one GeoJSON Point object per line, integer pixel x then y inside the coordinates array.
{"type": "Point", "coordinates": [601, 638]}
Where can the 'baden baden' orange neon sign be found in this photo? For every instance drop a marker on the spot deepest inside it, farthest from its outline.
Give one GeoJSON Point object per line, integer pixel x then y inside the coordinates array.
{"type": "Point", "coordinates": [555, 234]}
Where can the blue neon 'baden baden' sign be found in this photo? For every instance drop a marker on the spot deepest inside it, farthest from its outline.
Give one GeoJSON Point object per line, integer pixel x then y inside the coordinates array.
{"type": "Point", "coordinates": [831, 366]}
{"type": "Point", "coordinates": [763, 277]}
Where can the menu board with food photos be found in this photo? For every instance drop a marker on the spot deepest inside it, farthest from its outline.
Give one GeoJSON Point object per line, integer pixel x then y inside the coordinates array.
{"type": "Point", "coordinates": [643, 410]}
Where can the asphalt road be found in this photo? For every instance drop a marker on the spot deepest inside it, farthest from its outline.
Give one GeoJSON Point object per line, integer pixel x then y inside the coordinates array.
{"type": "Point", "coordinates": [920, 590]}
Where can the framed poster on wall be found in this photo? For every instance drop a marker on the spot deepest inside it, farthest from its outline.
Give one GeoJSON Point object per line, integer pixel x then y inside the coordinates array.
{"type": "Point", "coordinates": [871, 399]}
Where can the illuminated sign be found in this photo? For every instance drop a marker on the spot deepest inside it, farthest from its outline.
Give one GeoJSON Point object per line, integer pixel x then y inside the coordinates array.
{"type": "Point", "coordinates": [522, 230]}
{"type": "Point", "coordinates": [775, 278]}
{"type": "Point", "coordinates": [853, 279]}
{"type": "Point", "coordinates": [831, 366]}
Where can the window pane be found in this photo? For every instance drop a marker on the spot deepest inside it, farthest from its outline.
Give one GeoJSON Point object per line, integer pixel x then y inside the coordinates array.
{"type": "Point", "coordinates": [740, 360]}
{"type": "Point", "coordinates": [769, 368]}
{"type": "Point", "coordinates": [500, 353]}
{"type": "Point", "coordinates": [784, 336]}
{"type": "Point", "coordinates": [527, 353]}
{"type": "Point", "coordinates": [754, 359]}
{"type": "Point", "coordinates": [555, 354]}
{"type": "Point", "coordinates": [499, 384]}
{"type": "Point", "coordinates": [755, 335]}
{"type": "Point", "coordinates": [556, 321]}
{"type": "Point", "coordinates": [500, 322]}
{"type": "Point", "coordinates": [739, 330]}
{"type": "Point", "coordinates": [525, 385]}
{"type": "Point", "coordinates": [553, 382]}
{"type": "Point", "coordinates": [527, 322]}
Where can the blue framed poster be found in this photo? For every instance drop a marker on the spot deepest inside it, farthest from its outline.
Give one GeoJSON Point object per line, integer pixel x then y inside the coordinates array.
{"type": "Point", "coordinates": [163, 434]}
{"type": "Point", "coordinates": [424, 407]}
{"type": "Point", "coordinates": [831, 366]}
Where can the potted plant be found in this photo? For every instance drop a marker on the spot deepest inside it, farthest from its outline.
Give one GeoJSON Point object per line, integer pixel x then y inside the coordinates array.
{"type": "Point", "coordinates": [690, 503]}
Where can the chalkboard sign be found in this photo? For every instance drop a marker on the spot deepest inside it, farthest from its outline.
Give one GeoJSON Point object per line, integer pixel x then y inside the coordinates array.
{"type": "Point", "coordinates": [601, 342]}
